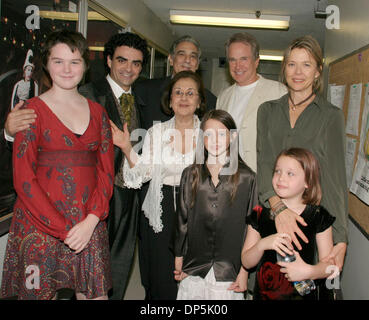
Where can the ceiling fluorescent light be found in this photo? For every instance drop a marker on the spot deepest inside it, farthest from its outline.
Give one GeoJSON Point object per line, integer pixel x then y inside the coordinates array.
{"type": "Point", "coordinates": [229, 19]}
{"type": "Point", "coordinates": [270, 57]}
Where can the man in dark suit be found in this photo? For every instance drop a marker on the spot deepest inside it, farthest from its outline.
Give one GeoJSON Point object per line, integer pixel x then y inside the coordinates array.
{"type": "Point", "coordinates": [124, 54]}
{"type": "Point", "coordinates": [184, 55]}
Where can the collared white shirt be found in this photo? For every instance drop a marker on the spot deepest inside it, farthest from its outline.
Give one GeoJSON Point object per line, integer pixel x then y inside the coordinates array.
{"type": "Point", "coordinates": [116, 88]}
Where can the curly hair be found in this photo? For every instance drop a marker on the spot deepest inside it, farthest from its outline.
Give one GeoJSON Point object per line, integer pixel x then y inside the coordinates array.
{"type": "Point", "coordinates": [128, 39]}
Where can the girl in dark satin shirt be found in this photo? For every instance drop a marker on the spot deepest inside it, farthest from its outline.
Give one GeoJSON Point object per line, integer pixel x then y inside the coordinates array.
{"type": "Point", "coordinates": [216, 195]}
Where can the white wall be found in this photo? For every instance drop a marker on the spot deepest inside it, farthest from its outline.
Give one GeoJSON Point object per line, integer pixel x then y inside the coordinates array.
{"type": "Point", "coordinates": [355, 280]}
{"type": "Point", "coordinates": [353, 34]}
{"type": "Point", "coordinates": [220, 78]}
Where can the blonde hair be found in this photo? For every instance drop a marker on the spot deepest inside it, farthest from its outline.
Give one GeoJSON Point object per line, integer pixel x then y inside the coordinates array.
{"type": "Point", "coordinates": [313, 48]}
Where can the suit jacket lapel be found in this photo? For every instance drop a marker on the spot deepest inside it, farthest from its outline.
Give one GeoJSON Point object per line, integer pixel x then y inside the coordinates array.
{"type": "Point", "coordinates": [106, 98]}
{"type": "Point", "coordinates": [140, 108]}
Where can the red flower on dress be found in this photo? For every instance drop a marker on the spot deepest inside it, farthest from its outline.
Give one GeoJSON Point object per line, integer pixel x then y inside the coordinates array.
{"type": "Point", "coordinates": [272, 283]}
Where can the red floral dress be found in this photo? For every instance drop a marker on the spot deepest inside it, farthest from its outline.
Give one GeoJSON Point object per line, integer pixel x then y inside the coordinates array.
{"type": "Point", "coordinates": [270, 283]}
{"type": "Point", "coordinates": [59, 178]}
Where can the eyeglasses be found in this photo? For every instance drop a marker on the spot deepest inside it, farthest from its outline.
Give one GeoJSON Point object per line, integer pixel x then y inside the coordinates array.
{"type": "Point", "coordinates": [189, 93]}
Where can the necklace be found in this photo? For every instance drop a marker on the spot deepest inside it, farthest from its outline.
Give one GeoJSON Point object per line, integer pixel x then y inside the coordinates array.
{"type": "Point", "coordinates": [301, 102]}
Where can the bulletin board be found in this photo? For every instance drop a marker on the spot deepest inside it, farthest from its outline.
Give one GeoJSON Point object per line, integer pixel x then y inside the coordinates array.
{"type": "Point", "coordinates": [350, 70]}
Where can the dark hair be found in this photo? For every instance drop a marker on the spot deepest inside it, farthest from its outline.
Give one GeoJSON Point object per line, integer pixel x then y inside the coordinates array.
{"type": "Point", "coordinates": [73, 39]}
{"type": "Point", "coordinates": [247, 39]}
{"type": "Point", "coordinates": [310, 165]}
{"type": "Point", "coordinates": [166, 97]}
{"type": "Point", "coordinates": [128, 39]}
{"type": "Point", "coordinates": [313, 48]}
{"type": "Point", "coordinates": [226, 119]}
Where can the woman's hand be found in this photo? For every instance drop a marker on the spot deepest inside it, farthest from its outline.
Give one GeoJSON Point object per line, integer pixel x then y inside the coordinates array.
{"type": "Point", "coordinates": [297, 270]}
{"type": "Point", "coordinates": [286, 222]}
{"type": "Point", "coordinates": [338, 257]}
{"type": "Point", "coordinates": [240, 285]}
{"type": "Point", "coordinates": [79, 236]}
{"type": "Point", "coordinates": [121, 138]}
{"type": "Point", "coordinates": [179, 275]}
{"type": "Point", "coordinates": [279, 242]}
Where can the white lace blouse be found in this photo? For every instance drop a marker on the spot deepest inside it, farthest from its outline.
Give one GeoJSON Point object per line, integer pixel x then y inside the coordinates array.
{"type": "Point", "coordinates": [160, 163]}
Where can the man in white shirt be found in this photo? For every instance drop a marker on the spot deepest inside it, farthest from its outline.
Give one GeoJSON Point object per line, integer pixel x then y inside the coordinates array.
{"type": "Point", "coordinates": [250, 90]}
{"type": "Point", "coordinates": [124, 54]}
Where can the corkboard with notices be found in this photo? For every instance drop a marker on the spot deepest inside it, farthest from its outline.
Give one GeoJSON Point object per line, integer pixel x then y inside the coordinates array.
{"type": "Point", "coordinates": [348, 89]}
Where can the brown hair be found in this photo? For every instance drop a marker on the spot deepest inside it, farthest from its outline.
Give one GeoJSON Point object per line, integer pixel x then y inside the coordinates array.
{"type": "Point", "coordinates": [313, 48]}
{"type": "Point", "coordinates": [165, 100]}
{"type": "Point", "coordinates": [247, 39]}
{"type": "Point", "coordinates": [74, 40]}
{"type": "Point", "coordinates": [310, 165]}
{"type": "Point", "coordinates": [226, 119]}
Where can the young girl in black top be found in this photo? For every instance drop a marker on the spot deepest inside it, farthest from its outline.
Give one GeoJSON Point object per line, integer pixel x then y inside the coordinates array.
{"type": "Point", "coordinates": [216, 195]}
{"type": "Point", "coordinates": [296, 182]}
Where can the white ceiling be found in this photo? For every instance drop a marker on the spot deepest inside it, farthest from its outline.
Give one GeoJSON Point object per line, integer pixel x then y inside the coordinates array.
{"type": "Point", "coordinates": [212, 39]}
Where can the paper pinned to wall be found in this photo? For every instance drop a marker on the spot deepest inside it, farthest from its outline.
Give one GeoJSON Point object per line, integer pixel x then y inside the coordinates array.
{"type": "Point", "coordinates": [350, 158]}
{"type": "Point", "coordinates": [337, 95]}
{"type": "Point", "coordinates": [352, 125]}
{"type": "Point", "coordinates": [360, 181]}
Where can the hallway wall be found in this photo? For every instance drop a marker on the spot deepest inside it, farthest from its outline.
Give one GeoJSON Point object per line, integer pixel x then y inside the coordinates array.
{"type": "Point", "coordinates": [353, 34]}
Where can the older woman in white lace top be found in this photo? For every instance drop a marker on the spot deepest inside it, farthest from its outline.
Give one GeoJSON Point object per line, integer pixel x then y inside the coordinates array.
{"type": "Point", "coordinates": [168, 148]}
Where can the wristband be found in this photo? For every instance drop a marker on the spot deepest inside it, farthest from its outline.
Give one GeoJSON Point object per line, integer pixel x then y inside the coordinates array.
{"type": "Point", "coordinates": [277, 209]}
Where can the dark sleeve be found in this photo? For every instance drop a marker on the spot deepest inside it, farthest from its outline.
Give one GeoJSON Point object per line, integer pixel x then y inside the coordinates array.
{"type": "Point", "coordinates": [254, 218]}
{"type": "Point", "coordinates": [333, 174]}
{"type": "Point", "coordinates": [323, 220]}
{"type": "Point", "coordinates": [183, 207]}
{"type": "Point", "coordinates": [265, 156]}
{"type": "Point", "coordinates": [6, 169]}
{"type": "Point", "coordinates": [211, 100]}
{"type": "Point", "coordinates": [88, 91]}
{"type": "Point", "coordinates": [5, 144]}
{"type": "Point", "coordinates": [253, 200]}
